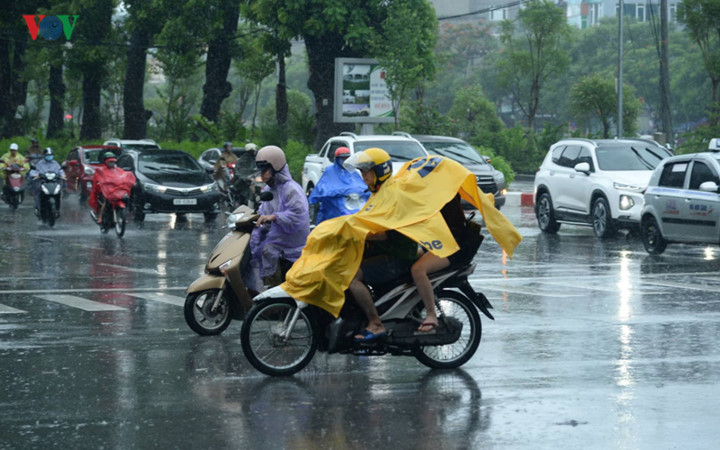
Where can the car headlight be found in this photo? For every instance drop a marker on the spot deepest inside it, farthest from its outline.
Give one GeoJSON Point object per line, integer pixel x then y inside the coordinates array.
{"type": "Point", "coordinates": [89, 171]}
{"type": "Point", "coordinates": [209, 187]}
{"type": "Point", "coordinates": [499, 178]}
{"type": "Point", "coordinates": [628, 187]}
{"type": "Point", "coordinates": [155, 188]}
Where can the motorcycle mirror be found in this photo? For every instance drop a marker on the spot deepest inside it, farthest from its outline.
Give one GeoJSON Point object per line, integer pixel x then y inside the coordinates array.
{"type": "Point", "coordinates": [266, 196]}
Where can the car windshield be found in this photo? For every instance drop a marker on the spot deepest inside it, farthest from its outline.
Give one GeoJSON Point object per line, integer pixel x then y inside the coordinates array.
{"type": "Point", "coordinates": [630, 157]}
{"type": "Point", "coordinates": [92, 156]}
{"type": "Point", "coordinates": [167, 162]}
{"type": "Point", "coordinates": [398, 150]}
{"type": "Point", "coordinates": [458, 151]}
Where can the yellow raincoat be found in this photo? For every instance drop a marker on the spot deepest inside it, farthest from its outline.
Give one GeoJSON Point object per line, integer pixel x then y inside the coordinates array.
{"type": "Point", "coordinates": [410, 203]}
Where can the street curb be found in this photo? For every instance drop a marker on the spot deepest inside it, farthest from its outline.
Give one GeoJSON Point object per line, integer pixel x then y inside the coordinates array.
{"type": "Point", "coordinates": [519, 199]}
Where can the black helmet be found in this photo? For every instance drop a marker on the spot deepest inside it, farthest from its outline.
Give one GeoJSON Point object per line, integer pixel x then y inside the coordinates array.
{"type": "Point", "coordinates": [227, 144]}
{"type": "Point", "coordinates": [48, 151]}
{"type": "Point", "coordinates": [34, 141]}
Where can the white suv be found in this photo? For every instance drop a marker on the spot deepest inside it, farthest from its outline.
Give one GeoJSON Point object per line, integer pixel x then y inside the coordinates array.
{"type": "Point", "coordinates": [597, 183]}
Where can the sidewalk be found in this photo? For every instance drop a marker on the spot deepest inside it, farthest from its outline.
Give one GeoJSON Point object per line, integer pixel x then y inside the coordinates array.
{"type": "Point", "coordinates": [520, 191]}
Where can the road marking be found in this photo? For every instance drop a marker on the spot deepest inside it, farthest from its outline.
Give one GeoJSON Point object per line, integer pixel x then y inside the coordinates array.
{"type": "Point", "coordinates": [123, 290]}
{"type": "Point", "coordinates": [692, 286]}
{"type": "Point", "coordinates": [5, 309]}
{"type": "Point", "coordinates": [130, 269]}
{"type": "Point", "coordinates": [162, 298]}
{"type": "Point", "coordinates": [80, 303]}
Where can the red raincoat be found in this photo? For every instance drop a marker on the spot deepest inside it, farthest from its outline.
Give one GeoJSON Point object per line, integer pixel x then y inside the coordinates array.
{"type": "Point", "coordinates": [113, 184]}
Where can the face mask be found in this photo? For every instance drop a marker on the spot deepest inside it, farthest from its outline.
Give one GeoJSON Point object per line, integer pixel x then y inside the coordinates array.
{"type": "Point", "coordinates": [48, 157]}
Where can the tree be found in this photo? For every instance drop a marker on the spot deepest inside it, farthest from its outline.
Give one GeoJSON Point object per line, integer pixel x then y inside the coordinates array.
{"type": "Point", "coordinates": [535, 56]}
{"type": "Point", "coordinates": [595, 97]}
{"type": "Point", "coordinates": [405, 47]}
{"type": "Point", "coordinates": [144, 22]}
{"type": "Point", "coordinates": [474, 117]}
{"type": "Point", "coordinates": [702, 18]}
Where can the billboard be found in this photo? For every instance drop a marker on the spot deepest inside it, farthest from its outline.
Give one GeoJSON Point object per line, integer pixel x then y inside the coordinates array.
{"type": "Point", "coordinates": [361, 94]}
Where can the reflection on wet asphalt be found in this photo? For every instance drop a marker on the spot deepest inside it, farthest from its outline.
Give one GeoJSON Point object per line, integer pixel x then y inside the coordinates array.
{"type": "Point", "coordinates": [595, 345]}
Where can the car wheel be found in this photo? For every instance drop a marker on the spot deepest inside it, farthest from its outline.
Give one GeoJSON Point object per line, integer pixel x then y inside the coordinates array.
{"type": "Point", "coordinates": [601, 218]}
{"type": "Point", "coordinates": [651, 236]}
{"type": "Point", "coordinates": [545, 214]}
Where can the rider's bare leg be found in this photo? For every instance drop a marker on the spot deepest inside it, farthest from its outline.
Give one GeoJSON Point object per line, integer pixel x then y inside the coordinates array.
{"type": "Point", "coordinates": [362, 296]}
{"type": "Point", "coordinates": [427, 263]}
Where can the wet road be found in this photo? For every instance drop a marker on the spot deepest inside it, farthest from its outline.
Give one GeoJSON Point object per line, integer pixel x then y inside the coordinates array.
{"type": "Point", "coordinates": [595, 345]}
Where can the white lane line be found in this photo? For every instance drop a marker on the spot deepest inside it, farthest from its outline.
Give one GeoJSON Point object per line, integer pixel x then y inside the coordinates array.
{"type": "Point", "coordinates": [695, 287]}
{"type": "Point", "coordinates": [130, 269]}
{"type": "Point", "coordinates": [481, 288]}
{"type": "Point", "coordinates": [162, 298]}
{"type": "Point", "coordinates": [123, 290]}
{"type": "Point", "coordinates": [5, 309]}
{"type": "Point", "coordinates": [80, 303]}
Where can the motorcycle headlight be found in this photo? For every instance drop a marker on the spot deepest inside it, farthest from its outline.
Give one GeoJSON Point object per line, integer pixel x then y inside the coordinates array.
{"type": "Point", "coordinates": [224, 267]}
{"type": "Point", "coordinates": [159, 189]}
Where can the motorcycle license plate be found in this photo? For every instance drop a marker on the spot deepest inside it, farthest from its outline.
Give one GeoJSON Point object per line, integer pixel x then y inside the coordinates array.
{"type": "Point", "coordinates": [185, 201]}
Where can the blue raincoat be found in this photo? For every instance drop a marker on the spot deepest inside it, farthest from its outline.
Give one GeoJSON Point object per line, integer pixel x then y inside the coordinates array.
{"type": "Point", "coordinates": [335, 184]}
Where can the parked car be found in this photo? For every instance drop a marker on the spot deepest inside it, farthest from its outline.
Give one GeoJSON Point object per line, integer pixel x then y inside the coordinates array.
{"type": "Point", "coordinates": [597, 183]}
{"type": "Point", "coordinates": [488, 179]}
{"type": "Point", "coordinates": [132, 144]}
{"type": "Point", "coordinates": [80, 167]}
{"type": "Point", "coordinates": [401, 148]}
{"type": "Point", "coordinates": [169, 181]}
{"type": "Point", "coordinates": [682, 201]}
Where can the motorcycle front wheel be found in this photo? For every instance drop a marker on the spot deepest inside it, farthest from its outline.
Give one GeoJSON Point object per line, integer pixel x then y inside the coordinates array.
{"type": "Point", "coordinates": [199, 314]}
{"type": "Point", "coordinates": [455, 305]}
{"type": "Point", "coordinates": [48, 211]}
{"type": "Point", "coordinates": [120, 221]}
{"type": "Point", "coordinates": [267, 343]}
{"type": "Point", "coordinates": [14, 200]}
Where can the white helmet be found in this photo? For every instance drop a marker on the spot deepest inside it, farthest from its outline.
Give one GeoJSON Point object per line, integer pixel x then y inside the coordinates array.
{"type": "Point", "coordinates": [271, 155]}
{"type": "Point", "coordinates": [13, 146]}
{"type": "Point", "coordinates": [250, 146]}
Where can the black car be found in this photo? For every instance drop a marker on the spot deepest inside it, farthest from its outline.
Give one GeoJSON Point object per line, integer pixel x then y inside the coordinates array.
{"type": "Point", "coordinates": [170, 181]}
{"type": "Point", "coordinates": [489, 180]}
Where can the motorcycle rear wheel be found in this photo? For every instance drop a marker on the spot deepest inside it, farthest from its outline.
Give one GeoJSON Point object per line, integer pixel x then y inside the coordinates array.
{"type": "Point", "coordinates": [453, 304]}
{"type": "Point", "coordinates": [263, 337]}
{"type": "Point", "coordinates": [120, 221]}
{"type": "Point", "coordinates": [199, 316]}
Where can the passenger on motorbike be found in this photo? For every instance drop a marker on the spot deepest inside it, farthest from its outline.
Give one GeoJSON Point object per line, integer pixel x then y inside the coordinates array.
{"type": "Point", "coordinates": [7, 160]}
{"type": "Point", "coordinates": [109, 182]}
{"type": "Point", "coordinates": [46, 165]}
{"type": "Point", "coordinates": [34, 153]}
{"type": "Point", "coordinates": [288, 214]}
{"type": "Point", "coordinates": [454, 217]}
{"type": "Point", "coordinates": [388, 256]}
{"type": "Point", "coordinates": [221, 174]}
{"type": "Point", "coordinates": [335, 186]}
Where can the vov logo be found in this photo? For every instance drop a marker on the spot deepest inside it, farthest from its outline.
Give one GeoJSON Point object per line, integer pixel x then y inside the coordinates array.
{"type": "Point", "coordinates": [50, 27]}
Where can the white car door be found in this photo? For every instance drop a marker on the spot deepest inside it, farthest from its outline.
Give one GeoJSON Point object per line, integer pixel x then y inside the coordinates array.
{"type": "Point", "coordinates": [699, 211]}
{"type": "Point", "coordinates": [668, 196]}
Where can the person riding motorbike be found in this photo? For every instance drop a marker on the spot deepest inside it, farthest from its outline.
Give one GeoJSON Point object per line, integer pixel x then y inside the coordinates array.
{"type": "Point", "coordinates": [221, 174]}
{"type": "Point", "coordinates": [7, 160]}
{"type": "Point", "coordinates": [47, 164]}
{"type": "Point", "coordinates": [388, 255]}
{"type": "Point", "coordinates": [334, 187]}
{"type": "Point", "coordinates": [34, 153]}
{"type": "Point", "coordinates": [287, 215]}
{"type": "Point", "coordinates": [111, 182]}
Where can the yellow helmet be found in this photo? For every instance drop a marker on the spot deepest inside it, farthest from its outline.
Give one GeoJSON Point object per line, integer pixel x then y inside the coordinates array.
{"type": "Point", "coordinates": [375, 159]}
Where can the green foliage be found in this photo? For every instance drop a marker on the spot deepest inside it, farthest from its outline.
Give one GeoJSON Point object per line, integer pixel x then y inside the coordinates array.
{"type": "Point", "coordinates": [698, 140]}
{"type": "Point", "coordinates": [300, 120]}
{"type": "Point", "coordinates": [420, 118]}
{"type": "Point", "coordinates": [499, 163]}
{"type": "Point", "coordinates": [295, 152]}
{"type": "Point", "coordinates": [473, 116]}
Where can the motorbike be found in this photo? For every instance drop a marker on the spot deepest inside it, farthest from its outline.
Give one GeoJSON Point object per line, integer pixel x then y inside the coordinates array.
{"type": "Point", "coordinates": [220, 294]}
{"type": "Point", "coordinates": [14, 189]}
{"type": "Point", "coordinates": [50, 193]}
{"type": "Point", "coordinates": [113, 214]}
{"type": "Point", "coordinates": [280, 335]}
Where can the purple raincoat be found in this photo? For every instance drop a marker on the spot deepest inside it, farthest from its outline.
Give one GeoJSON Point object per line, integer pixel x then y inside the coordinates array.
{"type": "Point", "coordinates": [287, 235]}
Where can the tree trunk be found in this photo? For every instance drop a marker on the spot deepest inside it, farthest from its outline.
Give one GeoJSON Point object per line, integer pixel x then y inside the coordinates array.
{"type": "Point", "coordinates": [281, 104]}
{"type": "Point", "coordinates": [217, 66]}
{"type": "Point", "coordinates": [135, 114]}
{"type": "Point", "coordinates": [57, 99]}
{"type": "Point", "coordinates": [13, 91]}
{"type": "Point", "coordinates": [665, 110]}
{"type": "Point", "coordinates": [322, 51]}
{"type": "Point", "coordinates": [91, 127]}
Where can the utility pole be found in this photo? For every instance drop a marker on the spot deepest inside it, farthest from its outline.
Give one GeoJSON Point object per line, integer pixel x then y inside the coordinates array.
{"type": "Point", "coordinates": [665, 113]}
{"type": "Point", "coordinates": [621, 13]}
